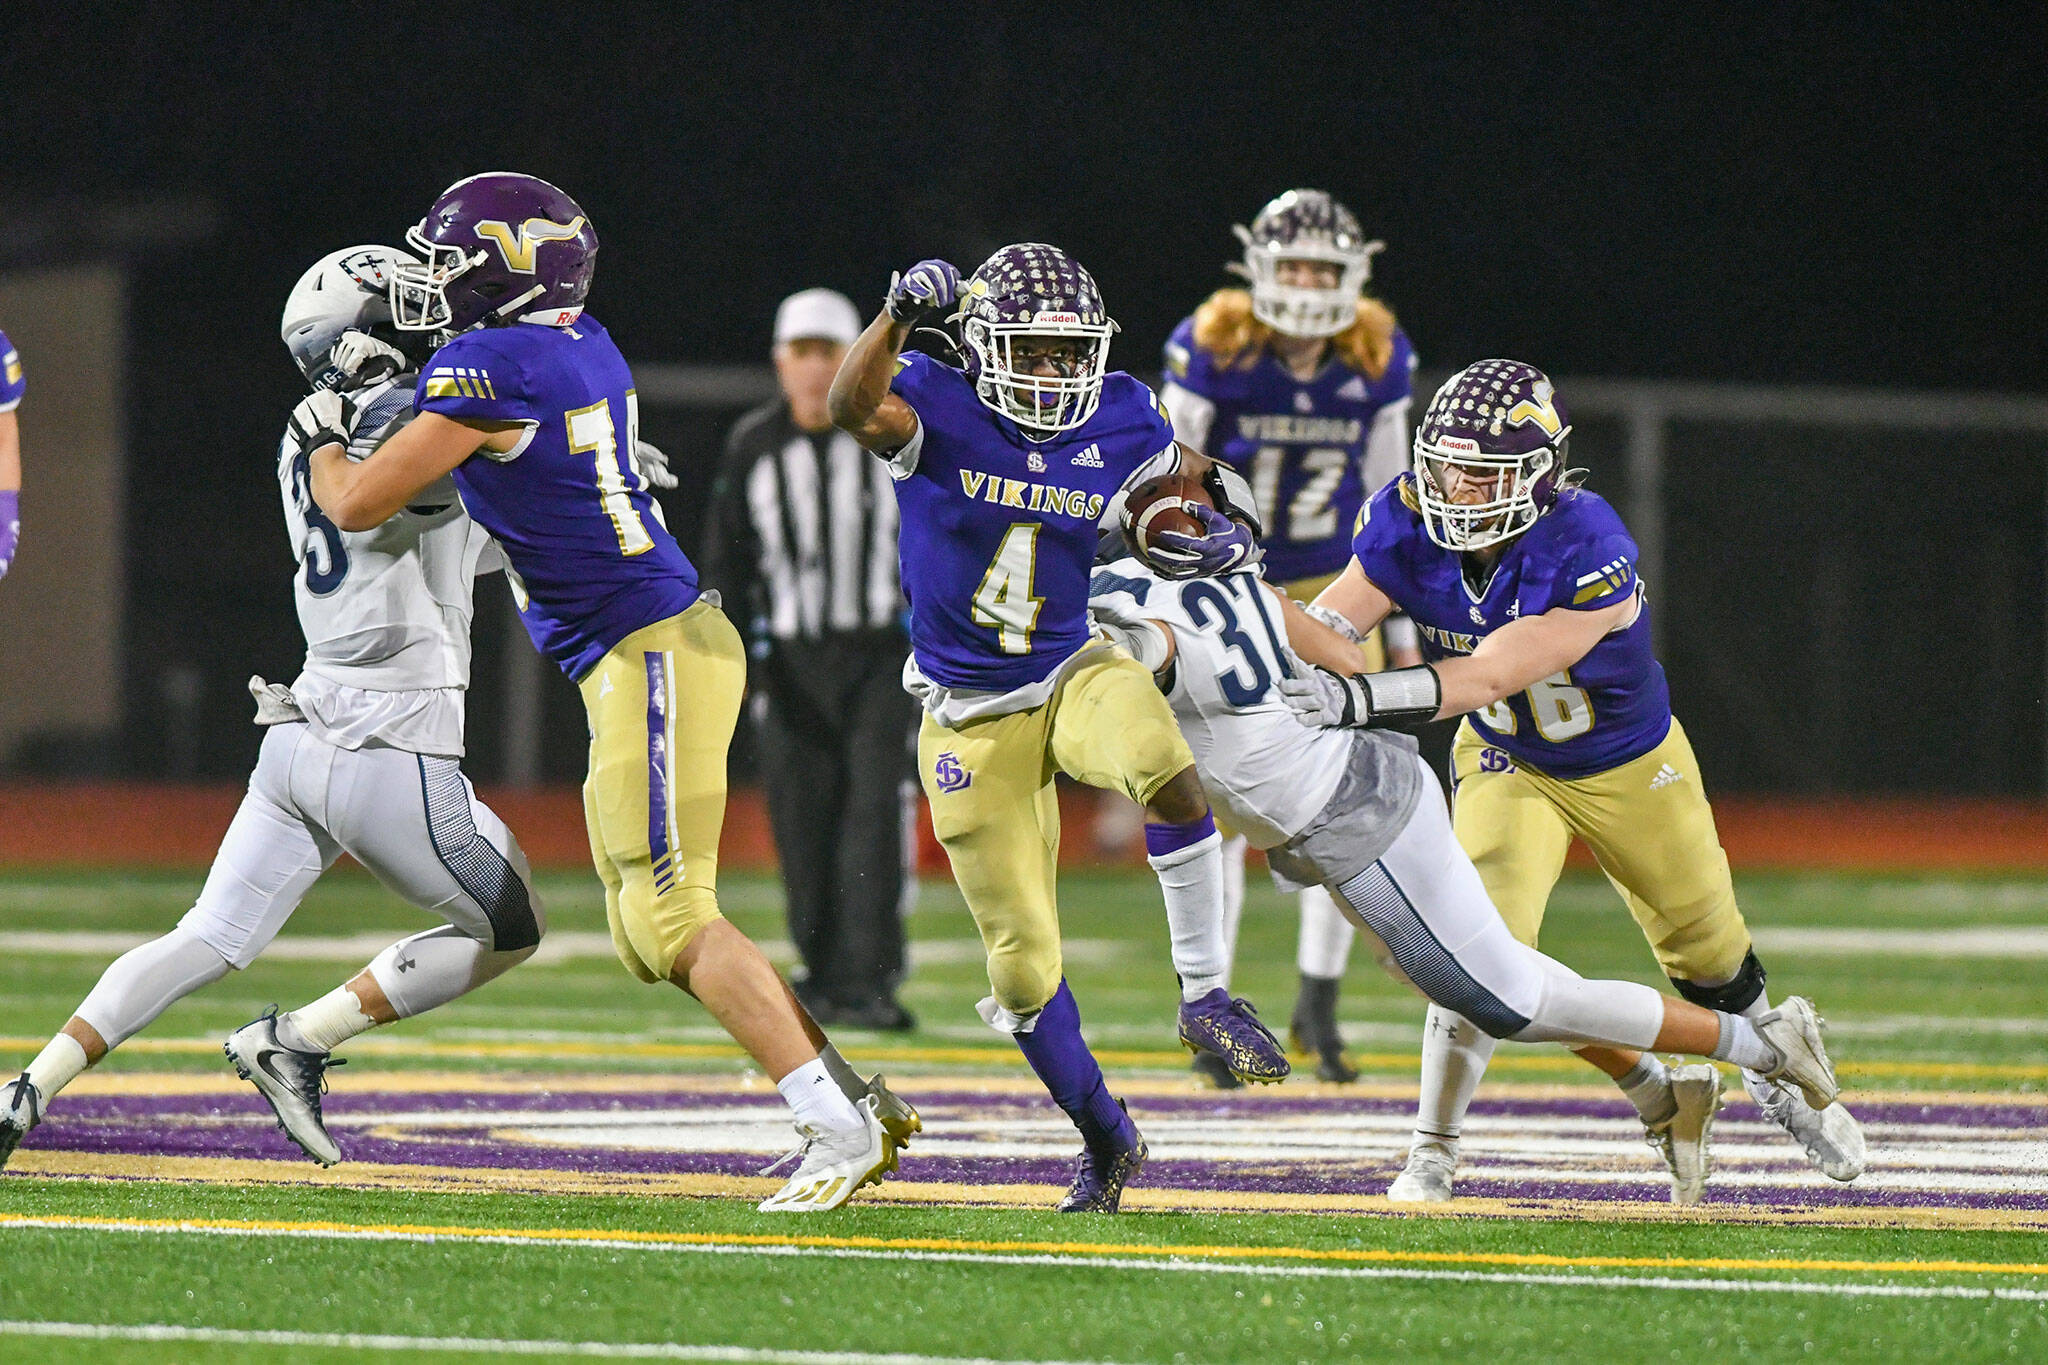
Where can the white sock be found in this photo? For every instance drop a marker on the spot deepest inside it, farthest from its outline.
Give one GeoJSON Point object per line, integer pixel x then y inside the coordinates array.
{"type": "Point", "coordinates": [1753, 1081]}
{"type": "Point", "coordinates": [1741, 1044]}
{"type": "Point", "coordinates": [816, 1099]}
{"type": "Point", "coordinates": [1648, 1087]}
{"type": "Point", "coordinates": [428, 970]}
{"type": "Point", "coordinates": [57, 1065]}
{"type": "Point", "coordinates": [1455, 1052]}
{"type": "Point", "coordinates": [325, 1024]}
{"type": "Point", "coordinates": [1324, 948]}
{"type": "Point", "coordinates": [1233, 854]}
{"type": "Point", "coordinates": [147, 980]}
{"type": "Point", "coordinates": [1191, 880]}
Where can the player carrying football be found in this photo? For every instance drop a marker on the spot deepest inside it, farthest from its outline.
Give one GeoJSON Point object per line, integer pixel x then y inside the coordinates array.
{"type": "Point", "coordinates": [1524, 589]}
{"type": "Point", "coordinates": [361, 754]}
{"type": "Point", "coordinates": [1361, 814]}
{"type": "Point", "coordinates": [1005, 475]}
{"type": "Point", "coordinates": [1302, 384]}
{"type": "Point", "coordinates": [533, 410]}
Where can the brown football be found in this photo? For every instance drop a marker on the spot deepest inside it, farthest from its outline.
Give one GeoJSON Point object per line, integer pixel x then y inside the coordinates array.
{"type": "Point", "coordinates": [1155, 506]}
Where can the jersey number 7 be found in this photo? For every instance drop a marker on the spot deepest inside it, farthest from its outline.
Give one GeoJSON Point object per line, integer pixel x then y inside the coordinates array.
{"type": "Point", "coordinates": [592, 432]}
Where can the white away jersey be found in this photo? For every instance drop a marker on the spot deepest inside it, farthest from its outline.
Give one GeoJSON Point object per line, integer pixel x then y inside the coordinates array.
{"type": "Point", "coordinates": [385, 612]}
{"type": "Point", "coordinates": [1268, 775]}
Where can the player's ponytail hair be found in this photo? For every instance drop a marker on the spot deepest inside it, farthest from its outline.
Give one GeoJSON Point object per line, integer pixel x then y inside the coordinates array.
{"type": "Point", "coordinates": [1226, 329]}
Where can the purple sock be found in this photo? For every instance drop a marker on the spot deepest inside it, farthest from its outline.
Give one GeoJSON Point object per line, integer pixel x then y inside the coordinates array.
{"type": "Point", "coordinates": [1062, 1060]}
{"type": "Point", "coordinates": [1161, 840]}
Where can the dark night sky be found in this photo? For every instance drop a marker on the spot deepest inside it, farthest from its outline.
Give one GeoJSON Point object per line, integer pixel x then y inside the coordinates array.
{"type": "Point", "coordinates": [1771, 193]}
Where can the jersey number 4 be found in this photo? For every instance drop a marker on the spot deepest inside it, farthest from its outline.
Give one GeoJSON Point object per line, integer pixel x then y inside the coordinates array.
{"type": "Point", "coordinates": [1004, 600]}
{"type": "Point", "coordinates": [592, 432]}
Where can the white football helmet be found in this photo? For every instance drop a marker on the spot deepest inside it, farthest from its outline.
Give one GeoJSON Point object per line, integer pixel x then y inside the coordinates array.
{"type": "Point", "coordinates": [348, 291]}
{"type": "Point", "coordinates": [1305, 225]}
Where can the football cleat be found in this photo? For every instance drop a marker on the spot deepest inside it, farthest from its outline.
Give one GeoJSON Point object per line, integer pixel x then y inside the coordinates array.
{"type": "Point", "coordinates": [292, 1081]}
{"type": "Point", "coordinates": [1312, 1031]}
{"type": "Point", "coordinates": [21, 1108]}
{"type": "Point", "coordinates": [1213, 1072]}
{"type": "Point", "coordinates": [898, 1119]}
{"type": "Point", "coordinates": [1794, 1030]}
{"type": "Point", "coordinates": [1682, 1139]}
{"type": "Point", "coordinates": [1229, 1027]}
{"type": "Point", "coordinates": [1427, 1177]}
{"type": "Point", "coordinates": [1100, 1174]}
{"type": "Point", "coordinates": [832, 1164]}
{"type": "Point", "coordinates": [1831, 1137]}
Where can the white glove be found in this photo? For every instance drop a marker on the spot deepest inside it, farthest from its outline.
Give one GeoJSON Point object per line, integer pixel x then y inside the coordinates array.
{"type": "Point", "coordinates": [652, 466]}
{"type": "Point", "coordinates": [322, 418]}
{"type": "Point", "coordinates": [360, 358]}
{"type": "Point", "coordinates": [1321, 699]}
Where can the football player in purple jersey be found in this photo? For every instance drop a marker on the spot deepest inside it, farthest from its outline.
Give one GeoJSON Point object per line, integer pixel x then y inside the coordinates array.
{"type": "Point", "coordinates": [1524, 589]}
{"type": "Point", "coordinates": [1302, 383]}
{"type": "Point", "coordinates": [12, 385]}
{"type": "Point", "coordinates": [532, 409]}
{"type": "Point", "coordinates": [1006, 475]}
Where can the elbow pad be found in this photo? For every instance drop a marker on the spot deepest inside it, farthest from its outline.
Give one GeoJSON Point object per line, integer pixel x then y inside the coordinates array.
{"type": "Point", "coordinates": [1233, 496]}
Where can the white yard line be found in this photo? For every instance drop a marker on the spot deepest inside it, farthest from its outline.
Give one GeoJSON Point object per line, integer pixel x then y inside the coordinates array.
{"type": "Point", "coordinates": [1152, 1265]}
{"type": "Point", "coordinates": [1984, 940]}
{"type": "Point", "coordinates": [519, 1346]}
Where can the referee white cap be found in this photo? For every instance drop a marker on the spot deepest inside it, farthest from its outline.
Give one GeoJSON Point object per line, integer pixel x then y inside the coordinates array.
{"type": "Point", "coordinates": [817, 313]}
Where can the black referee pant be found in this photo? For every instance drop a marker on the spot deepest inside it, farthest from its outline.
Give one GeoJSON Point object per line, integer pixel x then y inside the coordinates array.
{"type": "Point", "coordinates": [835, 753]}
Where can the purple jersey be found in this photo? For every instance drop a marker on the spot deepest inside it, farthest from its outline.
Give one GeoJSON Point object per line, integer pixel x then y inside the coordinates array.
{"type": "Point", "coordinates": [1609, 707]}
{"type": "Point", "coordinates": [1301, 445]}
{"type": "Point", "coordinates": [592, 561]}
{"type": "Point", "coordinates": [12, 382]}
{"type": "Point", "coordinates": [998, 532]}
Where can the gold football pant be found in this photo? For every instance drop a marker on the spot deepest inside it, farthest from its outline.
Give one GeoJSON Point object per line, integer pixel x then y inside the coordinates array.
{"type": "Point", "coordinates": [1649, 827]}
{"type": "Point", "coordinates": [662, 706]}
{"type": "Point", "coordinates": [990, 783]}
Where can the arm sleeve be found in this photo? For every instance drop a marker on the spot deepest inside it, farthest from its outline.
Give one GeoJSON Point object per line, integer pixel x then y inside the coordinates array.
{"type": "Point", "coordinates": [1386, 446]}
{"type": "Point", "coordinates": [1191, 414]}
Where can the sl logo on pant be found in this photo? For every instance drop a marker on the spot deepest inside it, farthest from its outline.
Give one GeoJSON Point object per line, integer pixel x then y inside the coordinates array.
{"type": "Point", "coordinates": [1495, 761]}
{"type": "Point", "coordinates": [952, 777]}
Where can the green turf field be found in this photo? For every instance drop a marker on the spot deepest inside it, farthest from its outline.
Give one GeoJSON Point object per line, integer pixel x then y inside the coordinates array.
{"type": "Point", "coordinates": [1933, 990]}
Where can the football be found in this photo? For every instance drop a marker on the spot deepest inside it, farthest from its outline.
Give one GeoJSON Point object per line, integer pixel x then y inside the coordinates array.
{"type": "Point", "coordinates": [1155, 506]}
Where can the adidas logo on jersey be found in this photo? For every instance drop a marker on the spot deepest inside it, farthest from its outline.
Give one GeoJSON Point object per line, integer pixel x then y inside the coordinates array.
{"type": "Point", "coordinates": [1090, 457]}
{"type": "Point", "coordinates": [1354, 390]}
{"type": "Point", "coordinates": [1666, 775]}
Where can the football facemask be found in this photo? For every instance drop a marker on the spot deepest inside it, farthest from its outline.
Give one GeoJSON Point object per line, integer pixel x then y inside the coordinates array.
{"type": "Point", "coordinates": [1305, 225]}
{"type": "Point", "coordinates": [1489, 454]}
{"type": "Point", "coordinates": [1034, 325]}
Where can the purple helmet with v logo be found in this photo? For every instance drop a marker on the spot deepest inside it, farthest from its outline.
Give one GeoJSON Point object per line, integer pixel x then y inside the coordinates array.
{"type": "Point", "coordinates": [498, 247]}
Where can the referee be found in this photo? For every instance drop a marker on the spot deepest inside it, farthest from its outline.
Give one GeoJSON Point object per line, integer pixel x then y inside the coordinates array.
{"type": "Point", "coordinates": [803, 537]}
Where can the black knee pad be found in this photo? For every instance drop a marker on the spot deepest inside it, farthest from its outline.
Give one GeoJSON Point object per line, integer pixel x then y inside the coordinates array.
{"type": "Point", "coordinates": [1732, 997]}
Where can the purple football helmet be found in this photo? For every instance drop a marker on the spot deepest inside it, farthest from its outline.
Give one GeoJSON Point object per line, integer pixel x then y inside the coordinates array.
{"type": "Point", "coordinates": [1489, 455]}
{"type": "Point", "coordinates": [499, 247]}
{"type": "Point", "coordinates": [1025, 301]}
{"type": "Point", "coordinates": [1305, 225]}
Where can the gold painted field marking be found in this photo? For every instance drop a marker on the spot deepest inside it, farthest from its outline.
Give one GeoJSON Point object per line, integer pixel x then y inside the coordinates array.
{"type": "Point", "coordinates": [1181, 1251]}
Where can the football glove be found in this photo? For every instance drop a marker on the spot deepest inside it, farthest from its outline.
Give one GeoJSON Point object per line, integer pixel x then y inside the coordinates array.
{"type": "Point", "coordinates": [1225, 545]}
{"type": "Point", "coordinates": [360, 359]}
{"type": "Point", "coordinates": [651, 464]}
{"type": "Point", "coordinates": [1404, 699]}
{"type": "Point", "coordinates": [927, 287]}
{"type": "Point", "coordinates": [322, 418]}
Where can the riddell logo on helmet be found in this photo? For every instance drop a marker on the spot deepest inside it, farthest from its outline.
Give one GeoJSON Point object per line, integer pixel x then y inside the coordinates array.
{"type": "Point", "coordinates": [1464, 445]}
{"type": "Point", "coordinates": [1055, 319]}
